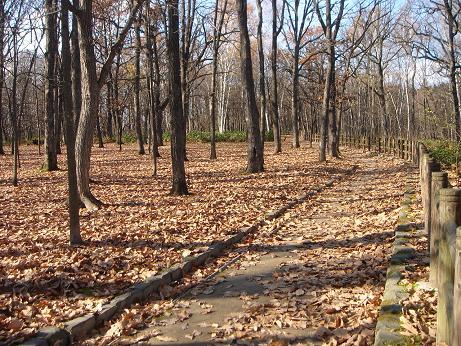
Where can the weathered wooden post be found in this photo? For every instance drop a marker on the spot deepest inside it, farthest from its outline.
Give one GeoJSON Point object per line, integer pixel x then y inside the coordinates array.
{"type": "Point", "coordinates": [457, 292]}
{"type": "Point", "coordinates": [422, 157]}
{"type": "Point", "coordinates": [431, 166]}
{"type": "Point", "coordinates": [439, 181]}
{"type": "Point", "coordinates": [449, 218]}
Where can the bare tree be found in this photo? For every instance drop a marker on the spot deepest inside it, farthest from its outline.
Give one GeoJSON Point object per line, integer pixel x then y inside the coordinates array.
{"type": "Point", "coordinates": [51, 158]}
{"type": "Point", "coordinates": [262, 73]}
{"type": "Point", "coordinates": [330, 27]}
{"type": "Point", "coordinates": [2, 67]}
{"type": "Point", "coordinates": [276, 29]}
{"type": "Point", "coordinates": [218, 21]}
{"type": "Point", "coordinates": [255, 152]}
{"type": "Point", "coordinates": [300, 16]}
{"type": "Point", "coordinates": [137, 86]}
{"type": "Point", "coordinates": [178, 145]}
{"type": "Point", "coordinates": [437, 43]}
{"type": "Point", "coordinates": [73, 197]}
{"type": "Point", "coordinates": [91, 87]}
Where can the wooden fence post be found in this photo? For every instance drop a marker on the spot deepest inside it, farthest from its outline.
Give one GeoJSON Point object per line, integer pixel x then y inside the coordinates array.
{"type": "Point", "coordinates": [431, 165]}
{"type": "Point", "coordinates": [450, 218]}
{"type": "Point", "coordinates": [422, 157]}
{"type": "Point", "coordinates": [457, 292]}
{"type": "Point", "coordinates": [439, 181]}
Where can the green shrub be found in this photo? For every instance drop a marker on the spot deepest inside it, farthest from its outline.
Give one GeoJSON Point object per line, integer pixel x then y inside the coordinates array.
{"type": "Point", "coordinates": [166, 136]}
{"type": "Point", "coordinates": [128, 138]}
{"type": "Point", "coordinates": [446, 152]}
{"type": "Point", "coordinates": [226, 136]}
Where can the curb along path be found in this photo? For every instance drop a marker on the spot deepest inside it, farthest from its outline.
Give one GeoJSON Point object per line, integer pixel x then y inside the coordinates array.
{"type": "Point", "coordinates": [388, 328]}
{"type": "Point", "coordinates": [81, 326]}
{"type": "Point", "coordinates": [314, 275]}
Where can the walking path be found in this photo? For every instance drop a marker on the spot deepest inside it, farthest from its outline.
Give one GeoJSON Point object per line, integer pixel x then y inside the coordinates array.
{"type": "Point", "coordinates": [314, 276]}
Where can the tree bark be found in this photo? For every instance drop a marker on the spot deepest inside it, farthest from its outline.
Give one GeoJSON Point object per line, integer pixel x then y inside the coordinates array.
{"type": "Point", "coordinates": [217, 25]}
{"type": "Point", "coordinates": [262, 74]}
{"type": "Point", "coordinates": [2, 35]}
{"type": "Point", "coordinates": [332, 126]}
{"type": "Point", "coordinates": [255, 154]}
{"type": "Point", "coordinates": [156, 79]}
{"type": "Point", "coordinates": [91, 87]}
{"type": "Point", "coordinates": [51, 158]}
{"type": "Point", "coordinates": [14, 111]}
{"type": "Point", "coordinates": [73, 196]}
{"type": "Point", "coordinates": [76, 70]}
{"type": "Point", "coordinates": [137, 87]}
{"type": "Point", "coordinates": [150, 87]}
{"type": "Point", "coordinates": [179, 184]}
{"type": "Point", "coordinates": [274, 100]}
{"type": "Point", "coordinates": [295, 98]}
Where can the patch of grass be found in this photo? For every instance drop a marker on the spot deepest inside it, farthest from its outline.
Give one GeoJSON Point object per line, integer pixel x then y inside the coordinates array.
{"type": "Point", "coordinates": [446, 152]}
{"type": "Point", "coordinates": [129, 138]}
{"type": "Point", "coordinates": [227, 136]}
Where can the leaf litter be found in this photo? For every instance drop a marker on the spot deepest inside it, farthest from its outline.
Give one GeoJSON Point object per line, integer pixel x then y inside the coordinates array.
{"type": "Point", "coordinates": [333, 284]}
{"type": "Point", "coordinates": [140, 231]}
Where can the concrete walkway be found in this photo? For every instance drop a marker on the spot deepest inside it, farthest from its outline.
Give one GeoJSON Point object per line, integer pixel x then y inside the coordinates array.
{"type": "Point", "coordinates": [312, 277]}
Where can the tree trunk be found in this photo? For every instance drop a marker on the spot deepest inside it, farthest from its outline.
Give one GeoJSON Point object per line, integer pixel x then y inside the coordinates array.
{"type": "Point", "coordinates": [14, 112]}
{"type": "Point", "coordinates": [332, 126]}
{"type": "Point", "coordinates": [213, 155]}
{"type": "Point", "coordinates": [137, 87]}
{"type": "Point", "coordinates": [255, 153]}
{"type": "Point", "coordinates": [73, 199]}
{"type": "Point", "coordinates": [217, 27]}
{"type": "Point", "coordinates": [76, 71]}
{"type": "Point", "coordinates": [262, 74]}
{"type": "Point", "coordinates": [179, 185]}
{"type": "Point", "coordinates": [295, 98]}
{"type": "Point", "coordinates": [58, 107]}
{"type": "Point", "coordinates": [2, 35]}
{"type": "Point", "coordinates": [325, 115]}
{"type": "Point", "coordinates": [274, 100]}
{"type": "Point", "coordinates": [99, 133]}
{"type": "Point", "coordinates": [91, 87]}
{"type": "Point", "coordinates": [110, 114]}
{"type": "Point", "coordinates": [150, 87]}
{"type": "Point", "coordinates": [158, 109]}
{"type": "Point", "coordinates": [51, 159]}
{"type": "Point", "coordinates": [382, 101]}
{"type": "Point", "coordinates": [89, 106]}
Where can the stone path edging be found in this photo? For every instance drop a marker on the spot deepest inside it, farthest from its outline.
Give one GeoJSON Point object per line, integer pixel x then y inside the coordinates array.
{"type": "Point", "coordinates": [81, 326]}
{"type": "Point", "coordinates": [388, 329]}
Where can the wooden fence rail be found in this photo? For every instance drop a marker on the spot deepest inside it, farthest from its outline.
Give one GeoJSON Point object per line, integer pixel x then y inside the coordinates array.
{"type": "Point", "coordinates": [442, 220]}
{"type": "Point", "coordinates": [400, 147]}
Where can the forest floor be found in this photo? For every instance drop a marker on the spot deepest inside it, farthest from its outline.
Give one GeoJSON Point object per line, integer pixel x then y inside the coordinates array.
{"type": "Point", "coordinates": [315, 276]}
{"type": "Point", "coordinates": [142, 230]}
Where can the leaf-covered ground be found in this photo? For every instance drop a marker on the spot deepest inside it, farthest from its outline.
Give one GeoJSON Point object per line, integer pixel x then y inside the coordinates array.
{"type": "Point", "coordinates": [326, 287]}
{"type": "Point", "coordinates": [419, 320]}
{"type": "Point", "coordinates": [140, 230]}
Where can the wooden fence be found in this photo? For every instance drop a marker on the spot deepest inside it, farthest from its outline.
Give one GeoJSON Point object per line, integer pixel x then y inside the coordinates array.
{"type": "Point", "coordinates": [399, 147]}
{"type": "Point", "coordinates": [442, 219]}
